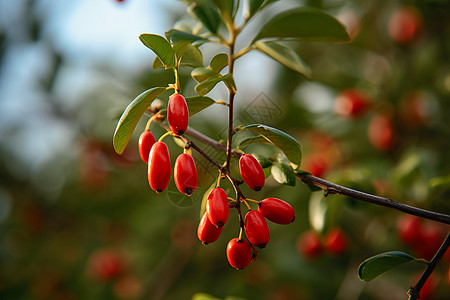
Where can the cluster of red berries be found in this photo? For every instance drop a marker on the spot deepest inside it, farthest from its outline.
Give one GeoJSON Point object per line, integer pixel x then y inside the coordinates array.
{"type": "Point", "coordinates": [311, 245]}
{"type": "Point", "coordinates": [240, 252]}
{"type": "Point", "coordinates": [156, 154]}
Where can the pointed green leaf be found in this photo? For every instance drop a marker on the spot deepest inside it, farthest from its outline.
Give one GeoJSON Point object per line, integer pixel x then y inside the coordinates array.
{"type": "Point", "coordinates": [161, 47]}
{"type": "Point", "coordinates": [157, 63]}
{"type": "Point", "coordinates": [286, 143]}
{"type": "Point", "coordinates": [175, 35]}
{"type": "Point", "coordinates": [253, 140]}
{"type": "Point", "coordinates": [206, 86]}
{"type": "Point", "coordinates": [192, 57]}
{"type": "Point", "coordinates": [219, 62]}
{"type": "Point", "coordinates": [263, 161]}
{"type": "Point", "coordinates": [206, 12]}
{"type": "Point", "coordinates": [198, 103]}
{"type": "Point", "coordinates": [201, 74]}
{"type": "Point", "coordinates": [304, 23]}
{"type": "Point", "coordinates": [283, 174]}
{"type": "Point", "coordinates": [284, 55]}
{"type": "Point", "coordinates": [131, 117]}
{"type": "Point", "coordinates": [226, 7]}
{"type": "Point", "coordinates": [381, 263]}
{"type": "Point", "coordinates": [229, 81]}
{"type": "Point", "coordinates": [251, 7]}
{"type": "Point", "coordinates": [179, 48]}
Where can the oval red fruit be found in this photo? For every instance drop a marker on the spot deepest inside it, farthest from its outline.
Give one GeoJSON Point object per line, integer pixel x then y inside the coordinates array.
{"type": "Point", "coordinates": [239, 253]}
{"type": "Point", "coordinates": [159, 167]}
{"type": "Point", "coordinates": [405, 25]}
{"type": "Point", "coordinates": [351, 103]}
{"type": "Point", "coordinates": [251, 172]}
{"type": "Point", "coordinates": [336, 241]}
{"type": "Point", "coordinates": [381, 132]}
{"type": "Point", "coordinates": [217, 207]}
{"type": "Point", "coordinates": [256, 229]}
{"type": "Point", "coordinates": [207, 232]}
{"type": "Point", "coordinates": [146, 142]}
{"type": "Point", "coordinates": [177, 114]}
{"type": "Point", "coordinates": [185, 174]}
{"type": "Point", "coordinates": [276, 210]}
{"type": "Point", "coordinates": [409, 230]}
{"type": "Point", "coordinates": [309, 244]}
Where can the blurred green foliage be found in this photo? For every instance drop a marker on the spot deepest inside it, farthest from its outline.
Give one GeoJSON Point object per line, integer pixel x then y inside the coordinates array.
{"type": "Point", "coordinates": [86, 206]}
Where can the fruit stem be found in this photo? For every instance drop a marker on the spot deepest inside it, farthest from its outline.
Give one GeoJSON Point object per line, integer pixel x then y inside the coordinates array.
{"type": "Point", "coordinates": [149, 122]}
{"type": "Point", "coordinates": [251, 200]}
{"type": "Point", "coordinates": [164, 135]}
{"type": "Point", "coordinates": [246, 204]}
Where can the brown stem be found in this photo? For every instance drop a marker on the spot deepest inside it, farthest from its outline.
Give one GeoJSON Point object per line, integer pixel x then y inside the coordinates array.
{"type": "Point", "coordinates": [231, 96]}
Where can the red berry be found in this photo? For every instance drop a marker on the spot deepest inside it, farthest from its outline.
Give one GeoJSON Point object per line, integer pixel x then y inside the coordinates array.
{"type": "Point", "coordinates": [106, 264]}
{"type": "Point", "coordinates": [256, 229]}
{"type": "Point", "coordinates": [309, 244]}
{"type": "Point", "coordinates": [405, 25]}
{"type": "Point", "coordinates": [217, 207]}
{"type": "Point", "coordinates": [207, 232]}
{"type": "Point", "coordinates": [409, 230]}
{"type": "Point", "coordinates": [159, 167]}
{"type": "Point", "coordinates": [146, 141]}
{"type": "Point", "coordinates": [430, 241]}
{"type": "Point", "coordinates": [277, 211]}
{"type": "Point", "coordinates": [351, 103]}
{"type": "Point", "coordinates": [251, 172]}
{"type": "Point", "coordinates": [336, 241]}
{"type": "Point", "coordinates": [177, 114]}
{"type": "Point", "coordinates": [381, 132]}
{"type": "Point", "coordinates": [239, 253]}
{"type": "Point", "coordinates": [185, 174]}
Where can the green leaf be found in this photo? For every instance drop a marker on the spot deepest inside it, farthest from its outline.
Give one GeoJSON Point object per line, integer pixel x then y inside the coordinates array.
{"type": "Point", "coordinates": [324, 212]}
{"type": "Point", "coordinates": [286, 143]}
{"type": "Point", "coordinates": [201, 74]}
{"type": "Point", "coordinates": [206, 86]}
{"type": "Point", "coordinates": [226, 7]}
{"type": "Point", "coordinates": [161, 47]}
{"type": "Point", "coordinates": [283, 174]}
{"type": "Point", "coordinates": [157, 63]}
{"type": "Point", "coordinates": [251, 7]}
{"type": "Point", "coordinates": [284, 55]}
{"type": "Point", "coordinates": [440, 182]}
{"type": "Point", "coordinates": [131, 116]}
{"type": "Point", "coordinates": [381, 263]}
{"type": "Point", "coordinates": [304, 23]}
{"type": "Point", "coordinates": [263, 161]}
{"type": "Point", "coordinates": [198, 103]}
{"type": "Point", "coordinates": [219, 62]}
{"type": "Point", "coordinates": [206, 12]}
{"type": "Point", "coordinates": [192, 57]}
{"type": "Point", "coordinates": [175, 35]}
{"type": "Point", "coordinates": [253, 140]}
{"type": "Point", "coordinates": [179, 48]}
{"type": "Point", "coordinates": [229, 81]}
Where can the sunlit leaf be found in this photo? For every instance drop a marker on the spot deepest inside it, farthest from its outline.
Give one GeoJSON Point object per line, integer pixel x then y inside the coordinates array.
{"type": "Point", "coordinates": [304, 23]}
{"type": "Point", "coordinates": [179, 48]}
{"type": "Point", "coordinates": [229, 81]}
{"type": "Point", "coordinates": [381, 263]}
{"type": "Point", "coordinates": [283, 174]}
{"type": "Point", "coordinates": [131, 117]}
{"type": "Point", "coordinates": [206, 86]}
{"type": "Point", "coordinates": [201, 74]}
{"type": "Point", "coordinates": [206, 12]}
{"type": "Point", "coordinates": [157, 63]}
{"type": "Point", "coordinates": [284, 55]}
{"type": "Point", "coordinates": [219, 62]}
{"type": "Point", "coordinates": [286, 143]}
{"type": "Point", "coordinates": [198, 103]}
{"type": "Point", "coordinates": [192, 57]}
{"type": "Point", "coordinates": [175, 35]}
{"type": "Point", "coordinates": [253, 140]}
{"type": "Point", "coordinates": [323, 212]}
{"type": "Point", "coordinates": [263, 161]}
{"type": "Point", "coordinates": [161, 47]}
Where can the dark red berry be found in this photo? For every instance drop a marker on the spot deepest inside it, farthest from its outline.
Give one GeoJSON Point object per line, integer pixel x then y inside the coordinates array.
{"type": "Point", "coordinates": [106, 264]}
{"type": "Point", "coordinates": [256, 229]}
{"type": "Point", "coordinates": [336, 242]}
{"type": "Point", "coordinates": [351, 103]}
{"type": "Point", "coordinates": [177, 114]}
{"type": "Point", "coordinates": [159, 167]}
{"type": "Point", "coordinates": [146, 141]}
{"type": "Point", "coordinates": [217, 207]}
{"type": "Point", "coordinates": [277, 211]}
{"type": "Point", "coordinates": [251, 172]}
{"type": "Point", "coordinates": [409, 230]}
{"type": "Point", "coordinates": [207, 232]}
{"type": "Point", "coordinates": [239, 253]}
{"type": "Point", "coordinates": [309, 244]}
{"type": "Point", "coordinates": [185, 174]}
{"type": "Point", "coordinates": [381, 132]}
{"type": "Point", "coordinates": [405, 25]}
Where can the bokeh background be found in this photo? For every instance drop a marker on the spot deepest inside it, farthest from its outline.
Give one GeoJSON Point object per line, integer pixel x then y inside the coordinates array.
{"type": "Point", "coordinates": [77, 221]}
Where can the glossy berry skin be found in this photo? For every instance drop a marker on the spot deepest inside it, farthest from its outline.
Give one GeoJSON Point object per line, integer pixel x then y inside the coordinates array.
{"type": "Point", "coordinates": [207, 232]}
{"type": "Point", "coordinates": [185, 174]}
{"type": "Point", "coordinates": [277, 211]}
{"type": "Point", "coordinates": [309, 244]}
{"type": "Point", "coordinates": [351, 103]}
{"type": "Point", "coordinates": [146, 142]}
{"type": "Point", "coordinates": [159, 169]}
{"type": "Point", "coordinates": [256, 229]}
{"type": "Point", "coordinates": [177, 114]}
{"type": "Point", "coordinates": [336, 242]}
{"type": "Point", "coordinates": [217, 207]}
{"type": "Point", "coordinates": [239, 253]}
{"type": "Point", "coordinates": [251, 172]}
